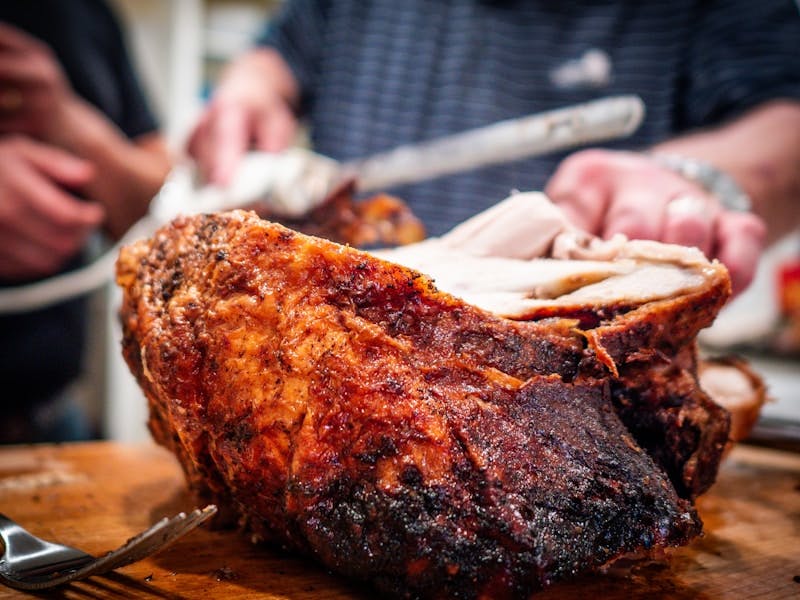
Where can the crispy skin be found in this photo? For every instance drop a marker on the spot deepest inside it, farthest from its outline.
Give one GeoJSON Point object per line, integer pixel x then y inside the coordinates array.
{"type": "Point", "coordinates": [345, 408]}
{"type": "Point", "coordinates": [378, 221]}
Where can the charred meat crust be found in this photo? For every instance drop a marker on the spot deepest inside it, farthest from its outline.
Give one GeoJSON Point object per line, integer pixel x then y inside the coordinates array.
{"type": "Point", "coordinates": [346, 408]}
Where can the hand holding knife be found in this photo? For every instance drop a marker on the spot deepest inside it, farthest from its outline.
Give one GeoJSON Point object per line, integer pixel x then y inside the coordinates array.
{"type": "Point", "coordinates": [295, 181]}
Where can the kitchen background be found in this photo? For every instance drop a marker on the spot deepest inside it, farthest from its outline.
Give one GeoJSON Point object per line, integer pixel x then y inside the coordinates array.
{"type": "Point", "coordinates": [179, 47]}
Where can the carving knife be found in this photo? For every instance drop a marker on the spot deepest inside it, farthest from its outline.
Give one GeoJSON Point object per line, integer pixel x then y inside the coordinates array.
{"type": "Point", "coordinates": [293, 182]}
{"type": "Point", "coordinates": [501, 142]}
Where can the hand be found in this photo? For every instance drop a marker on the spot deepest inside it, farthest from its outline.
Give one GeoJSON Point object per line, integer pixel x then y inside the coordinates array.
{"type": "Point", "coordinates": [247, 111]}
{"type": "Point", "coordinates": [33, 88]}
{"type": "Point", "coordinates": [607, 192]}
{"type": "Point", "coordinates": [41, 224]}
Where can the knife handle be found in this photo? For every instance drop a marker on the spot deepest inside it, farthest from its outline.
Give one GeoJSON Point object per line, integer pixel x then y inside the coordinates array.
{"type": "Point", "coordinates": [505, 141]}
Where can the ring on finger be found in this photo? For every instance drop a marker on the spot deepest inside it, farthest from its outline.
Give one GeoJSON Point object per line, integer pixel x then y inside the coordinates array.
{"type": "Point", "coordinates": [688, 204]}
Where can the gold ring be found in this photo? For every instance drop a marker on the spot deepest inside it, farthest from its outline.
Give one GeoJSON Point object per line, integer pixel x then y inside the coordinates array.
{"type": "Point", "coordinates": [11, 100]}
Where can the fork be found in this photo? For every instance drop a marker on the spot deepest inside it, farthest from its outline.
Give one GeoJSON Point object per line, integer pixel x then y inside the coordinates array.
{"type": "Point", "coordinates": [30, 563]}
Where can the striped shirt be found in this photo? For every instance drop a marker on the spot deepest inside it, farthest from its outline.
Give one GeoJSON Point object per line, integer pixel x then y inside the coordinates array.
{"type": "Point", "coordinates": [376, 74]}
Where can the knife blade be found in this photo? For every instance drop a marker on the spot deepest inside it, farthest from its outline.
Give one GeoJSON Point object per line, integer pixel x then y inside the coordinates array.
{"type": "Point", "coordinates": [295, 181]}
{"type": "Point", "coordinates": [506, 141]}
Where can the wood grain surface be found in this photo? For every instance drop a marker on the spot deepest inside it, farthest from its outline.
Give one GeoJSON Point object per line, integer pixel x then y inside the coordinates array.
{"type": "Point", "coordinates": [96, 495]}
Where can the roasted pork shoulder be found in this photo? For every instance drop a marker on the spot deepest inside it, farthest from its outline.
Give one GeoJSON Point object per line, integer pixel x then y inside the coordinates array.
{"type": "Point", "coordinates": [345, 407]}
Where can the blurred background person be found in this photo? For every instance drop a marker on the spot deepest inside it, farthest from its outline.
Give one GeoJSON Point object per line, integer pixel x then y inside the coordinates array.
{"type": "Point", "coordinates": [721, 82]}
{"type": "Point", "coordinates": [80, 152]}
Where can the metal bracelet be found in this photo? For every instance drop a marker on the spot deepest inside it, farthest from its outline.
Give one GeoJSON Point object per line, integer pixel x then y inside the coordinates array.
{"type": "Point", "coordinates": [712, 179]}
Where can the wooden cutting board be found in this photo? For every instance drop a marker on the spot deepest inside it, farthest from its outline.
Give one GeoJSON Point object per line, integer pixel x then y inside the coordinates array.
{"type": "Point", "coordinates": [96, 495]}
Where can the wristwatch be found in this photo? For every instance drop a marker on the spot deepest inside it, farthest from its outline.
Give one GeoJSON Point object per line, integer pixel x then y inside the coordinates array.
{"type": "Point", "coordinates": [712, 179]}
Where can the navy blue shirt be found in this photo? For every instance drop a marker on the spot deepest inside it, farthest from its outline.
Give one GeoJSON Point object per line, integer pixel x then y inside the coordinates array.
{"type": "Point", "coordinates": [41, 351]}
{"type": "Point", "coordinates": [375, 74]}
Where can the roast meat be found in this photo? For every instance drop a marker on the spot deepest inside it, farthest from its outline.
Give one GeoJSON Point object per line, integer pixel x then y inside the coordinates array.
{"type": "Point", "coordinates": [343, 406]}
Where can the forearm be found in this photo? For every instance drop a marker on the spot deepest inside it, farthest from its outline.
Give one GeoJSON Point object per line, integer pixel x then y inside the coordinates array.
{"type": "Point", "coordinates": [128, 173]}
{"type": "Point", "coordinates": [761, 151]}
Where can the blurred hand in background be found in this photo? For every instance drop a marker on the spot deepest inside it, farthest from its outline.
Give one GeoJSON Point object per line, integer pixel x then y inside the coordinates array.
{"type": "Point", "coordinates": [80, 152]}
{"type": "Point", "coordinates": [254, 107]}
{"type": "Point", "coordinates": [42, 224]}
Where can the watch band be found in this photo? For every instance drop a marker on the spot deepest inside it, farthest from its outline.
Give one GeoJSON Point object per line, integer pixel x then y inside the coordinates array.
{"type": "Point", "coordinates": [712, 179]}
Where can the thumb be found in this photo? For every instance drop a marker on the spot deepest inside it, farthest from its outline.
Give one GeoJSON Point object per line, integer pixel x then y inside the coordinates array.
{"type": "Point", "coordinates": [59, 165]}
{"type": "Point", "coordinates": [230, 139]}
{"type": "Point", "coordinates": [275, 133]}
{"type": "Point", "coordinates": [90, 214]}
{"type": "Point", "coordinates": [580, 187]}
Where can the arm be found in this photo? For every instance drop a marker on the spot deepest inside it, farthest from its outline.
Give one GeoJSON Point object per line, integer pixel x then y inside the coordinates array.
{"type": "Point", "coordinates": [254, 106]}
{"type": "Point", "coordinates": [761, 151]}
{"type": "Point", "coordinates": [609, 192]}
{"type": "Point", "coordinates": [125, 173]}
{"type": "Point", "coordinates": [260, 94]}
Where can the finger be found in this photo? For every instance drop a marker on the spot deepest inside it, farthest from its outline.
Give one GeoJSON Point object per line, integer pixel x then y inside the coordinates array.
{"type": "Point", "coordinates": [12, 38]}
{"type": "Point", "coordinates": [43, 215]}
{"type": "Point", "coordinates": [276, 132]}
{"type": "Point", "coordinates": [230, 137]}
{"type": "Point", "coordinates": [63, 222]}
{"type": "Point", "coordinates": [24, 258]}
{"type": "Point", "coordinates": [49, 202]}
{"type": "Point", "coordinates": [52, 237]}
{"type": "Point", "coordinates": [635, 212]}
{"type": "Point", "coordinates": [741, 238]}
{"type": "Point", "coordinates": [197, 138]}
{"type": "Point", "coordinates": [14, 121]}
{"type": "Point", "coordinates": [56, 164]}
{"type": "Point", "coordinates": [198, 146]}
{"type": "Point", "coordinates": [17, 72]}
{"type": "Point", "coordinates": [64, 211]}
{"type": "Point", "coordinates": [584, 207]}
{"type": "Point", "coordinates": [580, 187]}
{"type": "Point", "coordinates": [689, 221]}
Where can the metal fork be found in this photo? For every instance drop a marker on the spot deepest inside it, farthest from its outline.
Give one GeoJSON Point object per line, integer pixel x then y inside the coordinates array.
{"type": "Point", "coordinates": [30, 563]}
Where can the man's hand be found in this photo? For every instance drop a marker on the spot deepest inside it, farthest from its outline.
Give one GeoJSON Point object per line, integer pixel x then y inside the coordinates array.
{"type": "Point", "coordinates": [41, 224]}
{"type": "Point", "coordinates": [33, 88]}
{"type": "Point", "coordinates": [607, 192]}
{"type": "Point", "coordinates": [251, 109]}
